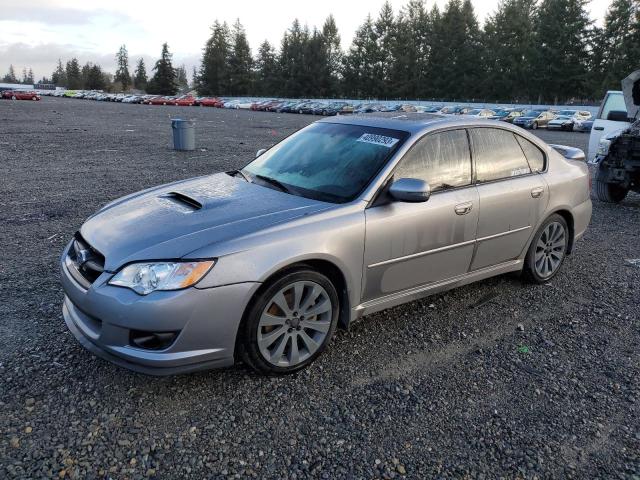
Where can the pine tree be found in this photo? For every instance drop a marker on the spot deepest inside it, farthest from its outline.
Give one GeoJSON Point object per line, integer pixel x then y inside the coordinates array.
{"type": "Point", "coordinates": [73, 75]}
{"type": "Point", "coordinates": [616, 38]}
{"type": "Point", "coordinates": [59, 76]}
{"type": "Point", "coordinates": [181, 78]}
{"type": "Point", "coordinates": [122, 73]}
{"type": "Point", "coordinates": [140, 78]}
{"type": "Point", "coordinates": [385, 30]}
{"type": "Point", "coordinates": [240, 62]}
{"type": "Point", "coordinates": [409, 51]}
{"type": "Point", "coordinates": [456, 53]}
{"type": "Point", "coordinates": [10, 77]}
{"type": "Point", "coordinates": [267, 78]}
{"type": "Point", "coordinates": [508, 39]}
{"type": "Point", "coordinates": [93, 77]}
{"type": "Point", "coordinates": [164, 78]}
{"type": "Point", "coordinates": [360, 61]}
{"type": "Point", "coordinates": [561, 59]}
{"type": "Point", "coordinates": [292, 64]}
{"type": "Point", "coordinates": [332, 76]}
{"type": "Point", "coordinates": [213, 78]}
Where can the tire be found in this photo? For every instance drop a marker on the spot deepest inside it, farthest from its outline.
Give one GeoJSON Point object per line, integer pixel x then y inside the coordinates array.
{"type": "Point", "coordinates": [34, 98]}
{"type": "Point", "coordinates": [608, 192]}
{"type": "Point", "coordinates": [13, 97]}
{"type": "Point", "coordinates": [534, 126]}
{"type": "Point", "coordinates": [547, 251]}
{"type": "Point", "coordinates": [268, 333]}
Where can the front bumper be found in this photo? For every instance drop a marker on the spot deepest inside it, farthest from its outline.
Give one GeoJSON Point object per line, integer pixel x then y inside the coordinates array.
{"type": "Point", "coordinates": [206, 321]}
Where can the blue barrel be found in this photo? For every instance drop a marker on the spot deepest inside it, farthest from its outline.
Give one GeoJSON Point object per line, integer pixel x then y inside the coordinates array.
{"type": "Point", "coordinates": [184, 134]}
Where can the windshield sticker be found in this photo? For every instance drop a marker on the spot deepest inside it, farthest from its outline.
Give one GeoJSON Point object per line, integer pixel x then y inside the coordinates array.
{"type": "Point", "coordinates": [378, 140]}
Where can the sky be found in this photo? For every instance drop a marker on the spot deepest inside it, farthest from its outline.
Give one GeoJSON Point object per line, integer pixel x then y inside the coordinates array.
{"type": "Point", "coordinates": [35, 33]}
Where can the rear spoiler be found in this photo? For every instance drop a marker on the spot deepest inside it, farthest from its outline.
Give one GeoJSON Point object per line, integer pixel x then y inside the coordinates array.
{"type": "Point", "coordinates": [570, 153]}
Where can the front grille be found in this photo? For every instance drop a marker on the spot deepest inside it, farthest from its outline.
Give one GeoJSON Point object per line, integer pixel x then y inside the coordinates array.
{"type": "Point", "coordinates": [85, 259]}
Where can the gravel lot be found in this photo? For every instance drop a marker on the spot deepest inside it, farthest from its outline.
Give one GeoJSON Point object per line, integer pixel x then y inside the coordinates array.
{"type": "Point", "coordinates": [495, 379]}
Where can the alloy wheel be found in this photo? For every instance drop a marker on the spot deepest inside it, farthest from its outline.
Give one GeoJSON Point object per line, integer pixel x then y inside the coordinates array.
{"type": "Point", "coordinates": [550, 249]}
{"type": "Point", "coordinates": [294, 324]}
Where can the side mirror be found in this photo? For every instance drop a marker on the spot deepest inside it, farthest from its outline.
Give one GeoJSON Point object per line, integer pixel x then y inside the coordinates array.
{"type": "Point", "coordinates": [618, 116]}
{"type": "Point", "coordinates": [260, 152]}
{"type": "Point", "coordinates": [410, 190]}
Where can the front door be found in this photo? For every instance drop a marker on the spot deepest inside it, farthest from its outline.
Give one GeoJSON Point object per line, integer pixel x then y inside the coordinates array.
{"type": "Point", "coordinates": [409, 245]}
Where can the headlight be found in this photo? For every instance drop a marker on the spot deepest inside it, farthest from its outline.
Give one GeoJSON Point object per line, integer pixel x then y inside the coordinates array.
{"type": "Point", "coordinates": [144, 278]}
{"type": "Point", "coordinates": [603, 147]}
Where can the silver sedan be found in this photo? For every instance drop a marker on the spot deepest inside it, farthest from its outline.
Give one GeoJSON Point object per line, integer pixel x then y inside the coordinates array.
{"type": "Point", "coordinates": [346, 217]}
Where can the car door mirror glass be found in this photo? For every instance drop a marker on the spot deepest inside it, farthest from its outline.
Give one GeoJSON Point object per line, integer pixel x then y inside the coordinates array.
{"type": "Point", "coordinates": [617, 116]}
{"type": "Point", "coordinates": [260, 152]}
{"type": "Point", "coordinates": [410, 190]}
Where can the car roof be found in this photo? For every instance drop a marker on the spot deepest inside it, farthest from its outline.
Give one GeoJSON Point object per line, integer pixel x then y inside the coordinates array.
{"type": "Point", "coordinates": [409, 122]}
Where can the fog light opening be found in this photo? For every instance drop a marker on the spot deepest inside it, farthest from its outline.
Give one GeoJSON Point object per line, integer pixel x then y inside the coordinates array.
{"type": "Point", "coordinates": [152, 340]}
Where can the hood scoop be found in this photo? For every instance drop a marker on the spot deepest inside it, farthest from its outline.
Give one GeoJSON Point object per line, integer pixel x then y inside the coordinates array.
{"type": "Point", "coordinates": [184, 200]}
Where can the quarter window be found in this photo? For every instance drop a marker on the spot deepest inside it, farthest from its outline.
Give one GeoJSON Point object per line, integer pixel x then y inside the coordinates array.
{"type": "Point", "coordinates": [441, 159]}
{"type": "Point", "coordinates": [534, 155]}
{"type": "Point", "coordinates": [497, 154]}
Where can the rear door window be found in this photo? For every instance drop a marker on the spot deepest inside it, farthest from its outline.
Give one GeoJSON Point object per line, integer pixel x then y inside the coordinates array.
{"type": "Point", "coordinates": [440, 159]}
{"type": "Point", "coordinates": [534, 155]}
{"type": "Point", "coordinates": [497, 155]}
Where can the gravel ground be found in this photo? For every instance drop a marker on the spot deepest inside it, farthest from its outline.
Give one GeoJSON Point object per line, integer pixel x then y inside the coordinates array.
{"type": "Point", "coordinates": [495, 379]}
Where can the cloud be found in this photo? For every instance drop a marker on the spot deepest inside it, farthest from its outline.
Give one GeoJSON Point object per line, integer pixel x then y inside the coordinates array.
{"type": "Point", "coordinates": [42, 13]}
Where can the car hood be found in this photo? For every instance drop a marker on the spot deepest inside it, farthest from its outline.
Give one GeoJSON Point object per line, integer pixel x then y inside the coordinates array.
{"type": "Point", "coordinates": [170, 221]}
{"type": "Point", "coordinates": [631, 90]}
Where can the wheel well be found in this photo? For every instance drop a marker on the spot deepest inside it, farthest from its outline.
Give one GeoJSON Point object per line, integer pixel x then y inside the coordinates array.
{"type": "Point", "coordinates": [569, 219]}
{"type": "Point", "coordinates": [329, 270]}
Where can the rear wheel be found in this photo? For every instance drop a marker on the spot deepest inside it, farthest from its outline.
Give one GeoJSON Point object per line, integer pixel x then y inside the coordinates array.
{"type": "Point", "coordinates": [290, 323]}
{"type": "Point", "coordinates": [13, 97]}
{"type": "Point", "coordinates": [548, 250]}
{"type": "Point", "coordinates": [608, 192]}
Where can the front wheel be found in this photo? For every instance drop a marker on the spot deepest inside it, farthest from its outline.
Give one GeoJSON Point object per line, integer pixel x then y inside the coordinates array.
{"type": "Point", "coordinates": [13, 97]}
{"type": "Point", "coordinates": [534, 126]}
{"type": "Point", "coordinates": [548, 250]}
{"type": "Point", "coordinates": [290, 323]}
{"type": "Point", "coordinates": [608, 192]}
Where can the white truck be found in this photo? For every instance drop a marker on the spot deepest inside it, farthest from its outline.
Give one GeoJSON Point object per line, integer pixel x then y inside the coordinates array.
{"type": "Point", "coordinates": [614, 144]}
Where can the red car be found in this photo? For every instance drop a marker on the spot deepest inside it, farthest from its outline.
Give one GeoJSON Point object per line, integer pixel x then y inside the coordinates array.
{"type": "Point", "coordinates": [20, 95]}
{"type": "Point", "coordinates": [186, 101]}
{"type": "Point", "coordinates": [210, 102]}
{"type": "Point", "coordinates": [162, 101]}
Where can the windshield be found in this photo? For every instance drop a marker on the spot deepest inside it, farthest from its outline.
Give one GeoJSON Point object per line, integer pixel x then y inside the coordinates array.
{"type": "Point", "coordinates": [563, 117]}
{"type": "Point", "coordinates": [532, 113]}
{"type": "Point", "coordinates": [567, 113]}
{"type": "Point", "coordinates": [328, 161]}
{"type": "Point", "coordinates": [473, 112]}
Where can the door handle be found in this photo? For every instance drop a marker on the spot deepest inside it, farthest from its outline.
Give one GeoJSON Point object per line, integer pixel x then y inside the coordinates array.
{"type": "Point", "coordinates": [598, 128]}
{"type": "Point", "coordinates": [463, 208]}
{"type": "Point", "coordinates": [537, 192]}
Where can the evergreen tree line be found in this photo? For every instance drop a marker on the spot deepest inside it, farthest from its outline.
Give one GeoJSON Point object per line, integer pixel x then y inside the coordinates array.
{"type": "Point", "coordinates": [527, 51]}
{"type": "Point", "coordinates": [530, 51]}
{"type": "Point", "coordinates": [11, 77]}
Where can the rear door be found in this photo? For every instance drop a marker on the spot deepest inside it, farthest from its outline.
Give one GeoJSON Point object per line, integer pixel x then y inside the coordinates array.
{"type": "Point", "coordinates": [512, 194]}
{"type": "Point", "coordinates": [601, 126]}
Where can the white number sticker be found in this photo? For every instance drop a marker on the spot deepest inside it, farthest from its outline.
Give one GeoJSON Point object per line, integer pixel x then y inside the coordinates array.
{"type": "Point", "coordinates": [378, 140]}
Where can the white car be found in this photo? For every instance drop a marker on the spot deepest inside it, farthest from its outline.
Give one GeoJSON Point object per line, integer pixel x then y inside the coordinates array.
{"type": "Point", "coordinates": [480, 113]}
{"type": "Point", "coordinates": [612, 117]}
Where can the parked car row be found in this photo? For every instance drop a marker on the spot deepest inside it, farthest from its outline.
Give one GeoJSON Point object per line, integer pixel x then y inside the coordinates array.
{"type": "Point", "coordinates": [569, 120]}
{"type": "Point", "coordinates": [20, 95]}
